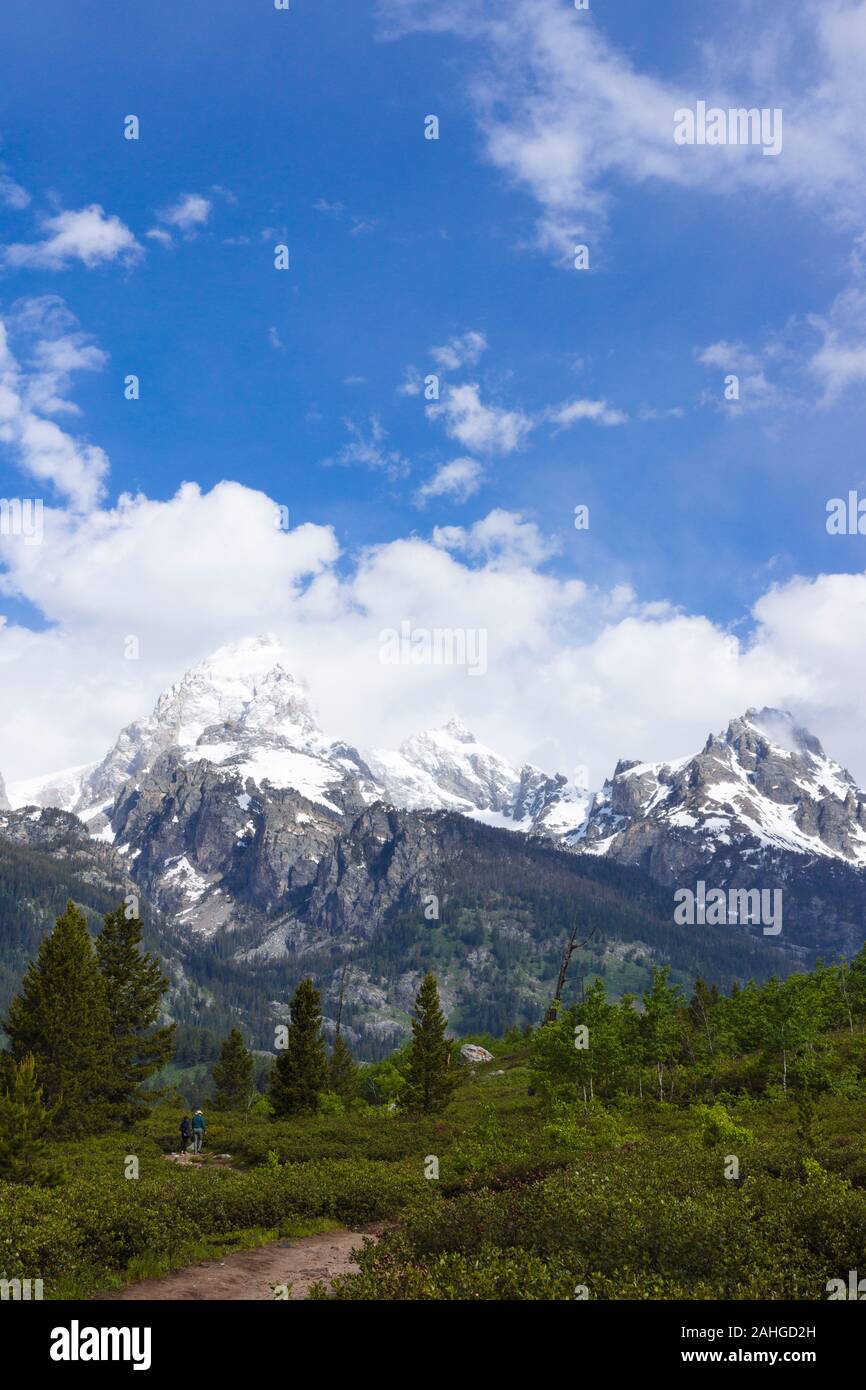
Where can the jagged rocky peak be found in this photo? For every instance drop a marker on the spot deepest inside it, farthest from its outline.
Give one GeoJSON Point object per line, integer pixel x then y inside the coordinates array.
{"type": "Point", "coordinates": [455, 728]}
{"type": "Point", "coordinates": [765, 781]}
{"type": "Point", "coordinates": [447, 768]}
{"type": "Point", "coordinates": [242, 694]}
{"type": "Point", "coordinates": [463, 767]}
{"type": "Point", "coordinates": [245, 715]}
{"type": "Point", "coordinates": [758, 731]}
{"type": "Point", "coordinates": [4, 800]}
{"type": "Point", "coordinates": [244, 684]}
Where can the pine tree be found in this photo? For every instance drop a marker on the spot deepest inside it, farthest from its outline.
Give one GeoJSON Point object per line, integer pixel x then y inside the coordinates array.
{"type": "Point", "coordinates": [25, 1122]}
{"type": "Point", "coordinates": [135, 985]}
{"type": "Point", "coordinates": [342, 1072]}
{"type": "Point", "coordinates": [300, 1074]}
{"type": "Point", "coordinates": [61, 1016]}
{"type": "Point", "coordinates": [233, 1074]}
{"type": "Point", "coordinates": [429, 1080]}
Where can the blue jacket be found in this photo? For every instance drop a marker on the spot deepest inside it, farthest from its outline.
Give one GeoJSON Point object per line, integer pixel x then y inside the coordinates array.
{"type": "Point", "coordinates": [198, 1121]}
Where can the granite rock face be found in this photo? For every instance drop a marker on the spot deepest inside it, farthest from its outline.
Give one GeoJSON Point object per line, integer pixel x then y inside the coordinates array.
{"type": "Point", "coordinates": [763, 789]}
{"type": "Point", "coordinates": [66, 840]}
{"type": "Point", "coordinates": [201, 839]}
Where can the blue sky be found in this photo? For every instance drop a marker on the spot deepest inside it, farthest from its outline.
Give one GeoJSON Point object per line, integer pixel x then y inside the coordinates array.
{"type": "Point", "coordinates": [307, 128]}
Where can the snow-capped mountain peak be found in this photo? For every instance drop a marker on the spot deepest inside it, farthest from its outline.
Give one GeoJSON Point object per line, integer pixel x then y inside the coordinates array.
{"type": "Point", "coordinates": [245, 684]}
{"type": "Point", "coordinates": [764, 782]}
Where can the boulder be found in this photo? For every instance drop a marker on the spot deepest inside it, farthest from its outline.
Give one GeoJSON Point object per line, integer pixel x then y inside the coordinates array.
{"type": "Point", "coordinates": [470, 1054]}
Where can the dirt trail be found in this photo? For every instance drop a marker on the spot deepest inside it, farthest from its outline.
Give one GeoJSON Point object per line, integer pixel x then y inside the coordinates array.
{"type": "Point", "coordinates": [250, 1273]}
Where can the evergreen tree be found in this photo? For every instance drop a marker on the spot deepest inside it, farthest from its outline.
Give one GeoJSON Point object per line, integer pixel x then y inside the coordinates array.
{"type": "Point", "coordinates": [429, 1080]}
{"type": "Point", "coordinates": [342, 1072]}
{"type": "Point", "coordinates": [61, 1016]}
{"type": "Point", "coordinates": [233, 1074]}
{"type": "Point", "coordinates": [300, 1074]}
{"type": "Point", "coordinates": [24, 1124]}
{"type": "Point", "coordinates": [660, 1023]}
{"type": "Point", "coordinates": [135, 985]}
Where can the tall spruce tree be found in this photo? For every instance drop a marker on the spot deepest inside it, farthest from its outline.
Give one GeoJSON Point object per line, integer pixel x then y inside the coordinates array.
{"type": "Point", "coordinates": [429, 1079]}
{"type": "Point", "coordinates": [300, 1074]}
{"type": "Point", "coordinates": [233, 1074]}
{"type": "Point", "coordinates": [61, 1017]}
{"type": "Point", "coordinates": [135, 985]}
{"type": "Point", "coordinates": [25, 1123]}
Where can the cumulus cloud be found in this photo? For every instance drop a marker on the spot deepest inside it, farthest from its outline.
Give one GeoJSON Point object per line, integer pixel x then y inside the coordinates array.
{"type": "Point", "coordinates": [90, 235]}
{"type": "Point", "coordinates": [577, 673]}
{"type": "Point", "coordinates": [188, 214]}
{"type": "Point", "coordinates": [33, 391]}
{"type": "Point", "coordinates": [458, 479]}
{"type": "Point", "coordinates": [501, 536]}
{"type": "Point", "coordinates": [598, 412]}
{"type": "Point", "coordinates": [460, 352]}
{"type": "Point", "coordinates": [487, 429]}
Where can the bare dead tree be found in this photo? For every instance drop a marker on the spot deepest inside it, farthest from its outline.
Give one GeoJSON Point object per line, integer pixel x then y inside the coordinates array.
{"type": "Point", "coordinates": [572, 946]}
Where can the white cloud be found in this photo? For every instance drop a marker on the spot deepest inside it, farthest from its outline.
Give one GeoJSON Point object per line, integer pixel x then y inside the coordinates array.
{"type": "Point", "coordinates": [369, 451]}
{"type": "Point", "coordinates": [501, 537]}
{"type": "Point", "coordinates": [598, 412]}
{"type": "Point", "coordinates": [161, 235]}
{"type": "Point", "coordinates": [89, 235]}
{"type": "Point", "coordinates": [756, 391]}
{"type": "Point", "coordinates": [458, 479]}
{"type": "Point", "coordinates": [840, 360]}
{"type": "Point", "coordinates": [31, 394]}
{"type": "Point", "coordinates": [411, 384]}
{"type": "Point", "coordinates": [809, 363]}
{"type": "Point", "coordinates": [563, 112]}
{"type": "Point", "coordinates": [12, 195]}
{"type": "Point", "coordinates": [479, 427]}
{"type": "Point", "coordinates": [188, 214]}
{"type": "Point", "coordinates": [460, 352]}
{"type": "Point", "coordinates": [577, 674]}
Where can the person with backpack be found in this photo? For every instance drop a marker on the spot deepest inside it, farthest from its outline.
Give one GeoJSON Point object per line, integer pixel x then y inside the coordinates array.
{"type": "Point", "coordinates": [197, 1131]}
{"type": "Point", "coordinates": [185, 1133]}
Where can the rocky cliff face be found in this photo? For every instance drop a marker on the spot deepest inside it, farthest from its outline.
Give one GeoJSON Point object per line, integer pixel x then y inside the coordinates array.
{"type": "Point", "coordinates": [63, 837]}
{"type": "Point", "coordinates": [207, 841]}
{"type": "Point", "coordinates": [308, 884]}
{"type": "Point", "coordinates": [764, 788]}
{"type": "Point", "coordinates": [228, 804]}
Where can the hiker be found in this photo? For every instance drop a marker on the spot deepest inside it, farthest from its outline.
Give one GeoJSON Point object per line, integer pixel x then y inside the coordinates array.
{"type": "Point", "coordinates": [185, 1132]}
{"type": "Point", "coordinates": [197, 1131]}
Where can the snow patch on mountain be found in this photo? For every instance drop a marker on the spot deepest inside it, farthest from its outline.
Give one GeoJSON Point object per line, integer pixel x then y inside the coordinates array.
{"type": "Point", "coordinates": [765, 780]}
{"type": "Point", "coordinates": [244, 712]}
